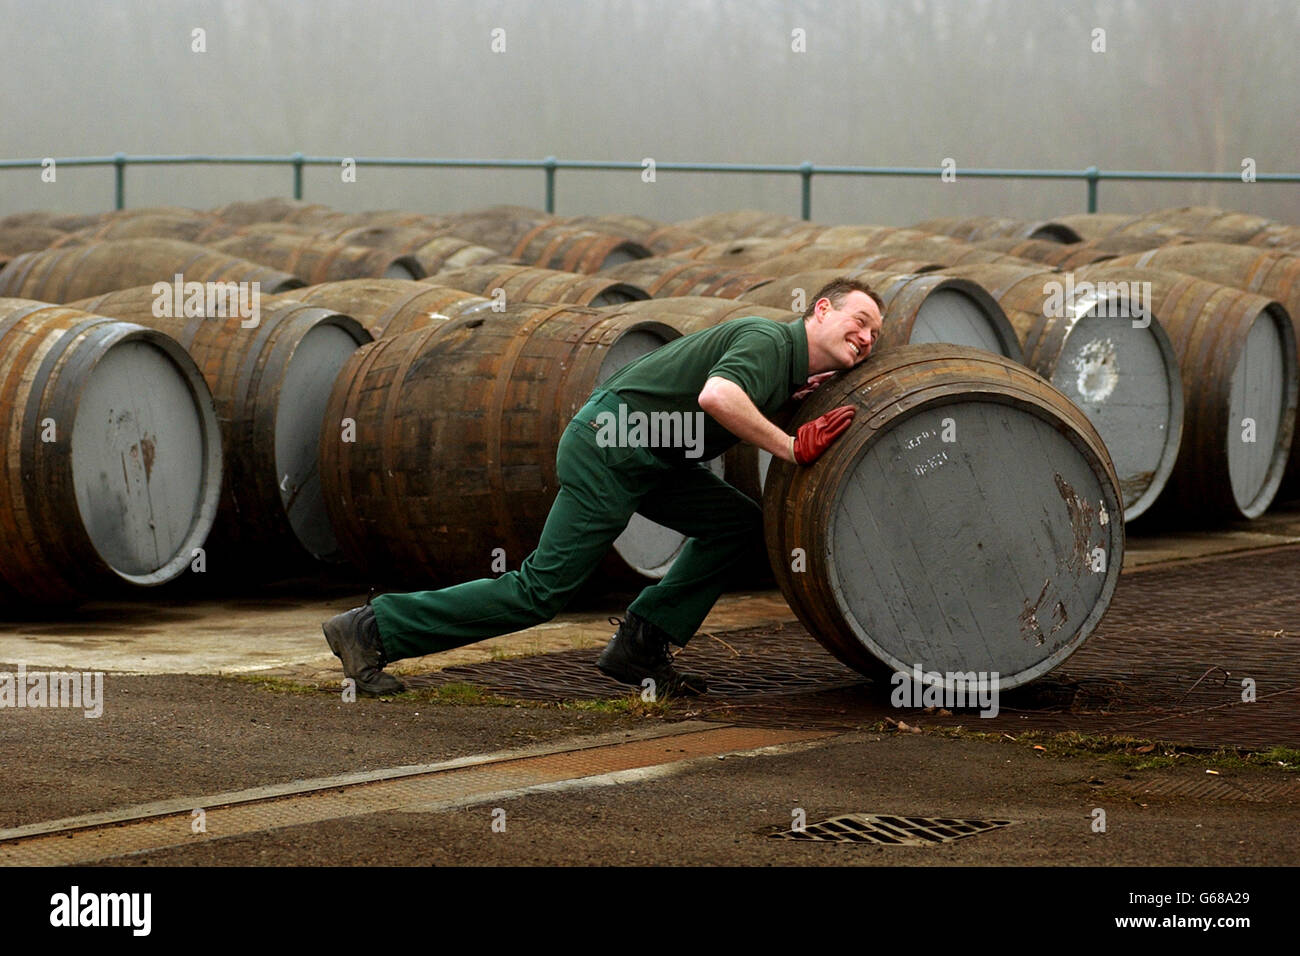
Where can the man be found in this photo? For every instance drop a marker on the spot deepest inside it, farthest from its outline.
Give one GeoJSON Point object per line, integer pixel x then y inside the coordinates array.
{"type": "Point", "coordinates": [733, 377]}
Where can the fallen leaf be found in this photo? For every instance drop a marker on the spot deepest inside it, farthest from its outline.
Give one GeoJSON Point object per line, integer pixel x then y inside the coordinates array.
{"type": "Point", "coordinates": [1040, 747]}
{"type": "Point", "coordinates": [1147, 749]}
{"type": "Point", "coordinates": [945, 712]}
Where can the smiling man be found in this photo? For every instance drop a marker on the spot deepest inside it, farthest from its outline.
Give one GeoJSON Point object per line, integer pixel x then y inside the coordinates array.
{"type": "Point", "coordinates": [734, 377]}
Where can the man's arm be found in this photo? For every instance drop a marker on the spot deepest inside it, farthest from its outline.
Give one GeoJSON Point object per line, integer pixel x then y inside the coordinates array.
{"type": "Point", "coordinates": [736, 412]}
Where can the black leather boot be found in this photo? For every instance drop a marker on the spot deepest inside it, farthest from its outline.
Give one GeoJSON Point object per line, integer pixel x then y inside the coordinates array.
{"type": "Point", "coordinates": [354, 638]}
{"type": "Point", "coordinates": [639, 650]}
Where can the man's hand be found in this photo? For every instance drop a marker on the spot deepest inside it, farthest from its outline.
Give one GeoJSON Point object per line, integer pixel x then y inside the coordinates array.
{"type": "Point", "coordinates": [812, 385]}
{"type": "Point", "coordinates": [816, 436]}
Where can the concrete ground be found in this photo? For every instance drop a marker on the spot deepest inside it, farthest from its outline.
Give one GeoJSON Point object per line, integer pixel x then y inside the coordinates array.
{"type": "Point", "coordinates": [206, 697]}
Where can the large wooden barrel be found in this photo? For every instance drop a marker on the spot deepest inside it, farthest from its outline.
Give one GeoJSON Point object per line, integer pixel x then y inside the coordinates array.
{"type": "Point", "coordinates": [272, 209]}
{"type": "Point", "coordinates": [691, 313]}
{"type": "Point", "coordinates": [530, 284]}
{"type": "Point", "coordinates": [721, 226]}
{"type": "Point", "coordinates": [456, 430]}
{"type": "Point", "coordinates": [974, 228]}
{"type": "Point", "coordinates": [1096, 225]}
{"type": "Point", "coordinates": [315, 261]}
{"type": "Point", "coordinates": [1208, 223]}
{"type": "Point", "coordinates": [271, 382]}
{"type": "Point", "coordinates": [558, 246]}
{"type": "Point", "coordinates": [432, 251]}
{"type": "Point", "coordinates": [837, 257]}
{"type": "Point", "coordinates": [15, 240]}
{"type": "Point", "coordinates": [1237, 354]}
{"type": "Point", "coordinates": [998, 551]}
{"type": "Point", "coordinates": [665, 276]}
{"type": "Point", "coordinates": [63, 275]}
{"type": "Point", "coordinates": [1109, 354]}
{"type": "Point", "coordinates": [1055, 254]}
{"type": "Point", "coordinates": [112, 464]}
{"type": "Point", "coordinates": [661, 238]}
{"type": "Point", "coordinates": [918, 308]}
{"type": "Point", "coordinates": [191, 228]}
{"type": "Point", "coordinates": [389, 307]}
{"type": "Point", "coordinates": [1265, 272]}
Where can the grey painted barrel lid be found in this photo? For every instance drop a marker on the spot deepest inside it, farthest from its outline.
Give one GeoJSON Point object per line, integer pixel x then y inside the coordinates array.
{"type": "Point", "coordinates": [146, 457]}
{"type": "Point", "coordinates": [304, 394]}
{"type": "Point", "coordinates": [1260, 396]}
{"type": "Point", "coordinates": [956, 317]}
{"type": "Point", "coordinates": [975, 555]}
{"type": "Point", "coordinates": [1123, 373]}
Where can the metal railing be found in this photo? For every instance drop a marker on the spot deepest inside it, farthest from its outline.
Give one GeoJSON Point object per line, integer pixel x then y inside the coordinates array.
{"type": "Point", "coordinates": [551, 165]}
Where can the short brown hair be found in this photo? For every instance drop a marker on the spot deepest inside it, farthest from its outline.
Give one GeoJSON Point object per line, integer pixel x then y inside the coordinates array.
{"type": "Point", "coordinates": [837, 289]}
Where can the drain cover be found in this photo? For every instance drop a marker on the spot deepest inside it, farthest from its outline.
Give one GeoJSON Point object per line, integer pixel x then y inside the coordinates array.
{"type": "Point", "coordinates": [895, 831]}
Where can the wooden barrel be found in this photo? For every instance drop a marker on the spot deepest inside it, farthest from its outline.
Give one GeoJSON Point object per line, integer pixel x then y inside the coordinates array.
{"type": "Point", "coordinates": [272, 209]}
{"type": "Point", "coordinates": [691, 313]}
{"type": "Point", "coordinates": [661, 238]}
{"type": "Point", "coordinates": [530, 284]}
{"type": "Point", "coordinates": [665, 276]}
{"type": "Point", "coordinates": [112, 469]}
{"type": "Point", "coordinates": [1105, 348]}
{"type": "Point", "coordinates": [974, 228]}
{"type": "Point", "coordinates": [559, 246]}
{"type": "Point", "coordinates": [315, 261]}
{"type": "Point", "coordinates": [1055, 254]}
{"type": "Point", "coordinates": [722, 226]}
{"type": "Point", "coordinates": [997, 551]}
{"type": "Point", "coordinates": [446, 253]}
{"type": "Point", "coordinates": [432, 251]}
{"type": "Point", "coordinates": [387, 307]}
{"type": "Point", "coordinates": [15, 240]}
{"type": "Point", "coordinates": [271, 382]}
{"type": "Point", "coordinates": [456, 430]}
{"type": "Point", "coordinates": [62, 275]}
{"type": "Point", "coordinates": [1237, 354]}
{"type": "Point", "coordinates": [737, 253]}
{"type": "Point", "coordinates": [943, 250]}
{"type": "Point", "coordinates": [191, 228]}
{"type": "Point", "coordinates": [1265, 272]}
{"type": "Point", "coordinates": [840, 257]}
{"type": "Point", "coordinates": [1209, 223]}
{"type": "Point", "coordinates": [918, 308]}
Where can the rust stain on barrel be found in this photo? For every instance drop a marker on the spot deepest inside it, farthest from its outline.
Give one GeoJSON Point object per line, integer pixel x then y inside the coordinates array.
{"type": "Point", "coordinates": [1080, 523]}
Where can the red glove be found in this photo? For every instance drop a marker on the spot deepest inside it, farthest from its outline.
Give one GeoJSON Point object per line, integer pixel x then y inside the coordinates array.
{"type": "Point", "coordinates": [812, 385]}
{"type": "Point", "coordinates": [815, 437]}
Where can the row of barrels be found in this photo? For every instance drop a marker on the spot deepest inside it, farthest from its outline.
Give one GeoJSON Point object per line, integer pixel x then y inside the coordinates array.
{"type": "Point", "coordinates": [435, 449]}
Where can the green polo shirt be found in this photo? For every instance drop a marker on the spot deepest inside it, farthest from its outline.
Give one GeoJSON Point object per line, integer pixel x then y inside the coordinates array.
{"type": "Point", "coordinates": [766, 358]}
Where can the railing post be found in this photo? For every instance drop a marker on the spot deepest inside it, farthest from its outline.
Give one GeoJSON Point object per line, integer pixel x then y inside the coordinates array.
{"type": "Point", "coordinates": [549, 163]}
{"type": "Point", "coordinates": [119, 181]}
{"type": "Point", "coordinates": [805, 176]}
{"type": "Point", "coordinates": [1093, 178]}
{"type": "Point", "coordinates": [297, 175]}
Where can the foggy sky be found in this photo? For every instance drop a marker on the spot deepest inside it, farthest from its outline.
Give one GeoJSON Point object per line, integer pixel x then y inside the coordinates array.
{"type": "Point", "coordinates": [1183, 85]}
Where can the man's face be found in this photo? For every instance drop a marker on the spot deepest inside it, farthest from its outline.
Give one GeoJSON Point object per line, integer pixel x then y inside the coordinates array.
{"type": "Point", "coordinates": [848, 332]}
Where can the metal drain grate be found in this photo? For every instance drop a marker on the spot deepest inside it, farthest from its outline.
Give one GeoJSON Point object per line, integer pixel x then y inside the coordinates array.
{"type": "Point", "coordinates": [891, 830]}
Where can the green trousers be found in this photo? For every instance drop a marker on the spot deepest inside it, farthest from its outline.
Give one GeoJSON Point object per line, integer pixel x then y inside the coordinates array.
{"type": "Point", "coordinates": [600, 490]}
